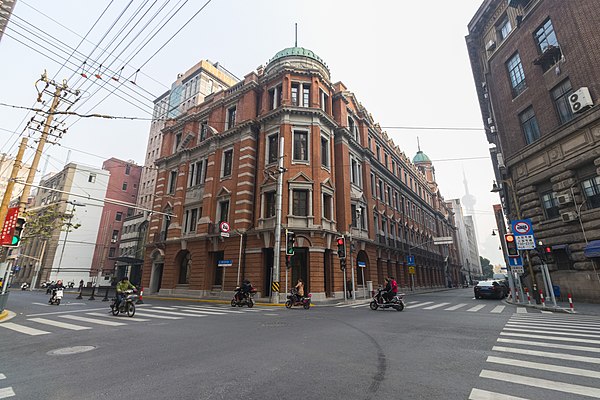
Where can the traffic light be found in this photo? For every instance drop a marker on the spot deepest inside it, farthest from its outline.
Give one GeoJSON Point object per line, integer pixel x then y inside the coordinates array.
{"type": "Point", "coordinates": [341, 243]}
{"type": "Point", "coordinates": [16, 239]}
{"type": "Point", "coordinates": [342, 264]}
{"type": "Point", "coordinates": [290, 239]}
{"type": "Point", "coordinates": [511, 245]}
{"type": "Point", "coordinates": [544, 251]}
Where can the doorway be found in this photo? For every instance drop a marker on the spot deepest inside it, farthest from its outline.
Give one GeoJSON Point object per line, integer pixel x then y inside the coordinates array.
{"type": "Point", "coordinates": [156, 277]}
{"type": "Point", "coordinates": [218, 278]}
{"type": "Point", "coordinates": [299, 262]}
{"type": "Point", "coordinates": [268, 270]}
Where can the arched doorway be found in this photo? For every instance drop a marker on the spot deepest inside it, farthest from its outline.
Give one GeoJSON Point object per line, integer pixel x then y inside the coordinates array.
{"type": "Point", "coordinates": [184, 264]}
{"type": "Point", "coordinates": [362, 273]}
{"type": "Point", "coordinates": [158, 263]}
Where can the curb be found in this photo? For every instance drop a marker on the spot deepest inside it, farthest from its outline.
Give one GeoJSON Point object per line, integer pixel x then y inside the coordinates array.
{"type": "Point", "coordinates": [542, 308]}
{"type": "Point", "coordinates": [214, 301]}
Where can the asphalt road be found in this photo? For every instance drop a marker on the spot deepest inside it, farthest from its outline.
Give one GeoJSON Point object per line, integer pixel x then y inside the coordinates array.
{"type": "Point", "coordinates": [439, 347]}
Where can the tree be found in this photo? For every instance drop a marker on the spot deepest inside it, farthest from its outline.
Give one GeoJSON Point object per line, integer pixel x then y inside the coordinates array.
{"type": "Point", "coordinates": [486, 267]}
{"type": "Point", "coordinates": [43, 222]}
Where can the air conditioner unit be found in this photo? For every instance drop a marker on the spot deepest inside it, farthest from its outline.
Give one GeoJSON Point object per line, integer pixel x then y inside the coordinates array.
{"type": "Point", "coordinates": [490, 121]}
{"type": "Point", "coordinates": [580, 100]}
{"type": "Point", "coordinates": [493, 129]}
{"type": "Point", "coordinates": [564, 199]}
{"type": "Point", "coordinates": [491, 45]}
{"type": "Point", "coordinates": [569, 216]}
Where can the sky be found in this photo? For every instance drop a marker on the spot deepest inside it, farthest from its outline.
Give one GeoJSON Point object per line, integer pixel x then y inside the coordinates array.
{"type": "Point", "coordinates": [405, 61]}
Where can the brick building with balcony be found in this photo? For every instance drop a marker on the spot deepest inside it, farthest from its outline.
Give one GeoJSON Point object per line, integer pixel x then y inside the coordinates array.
{"type": "Point", "coordinates": [535, 69]}
{"type": "Point", "coordinates": [343, 175]}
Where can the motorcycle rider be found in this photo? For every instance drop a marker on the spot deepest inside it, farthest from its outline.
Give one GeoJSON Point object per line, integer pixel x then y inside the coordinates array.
{"type": "Point", "coordinates": [394, 287]}
{"type": "Point", "coordinates": [244, 289]}
{"type": "Point", "coordinates": [386, 293]}
{"type": "Point", "coordinates": [122, 286]}
{"type": "Point", "coordinates": [58, 285]}
{"type": "Point", "coordinates": [299, 290]}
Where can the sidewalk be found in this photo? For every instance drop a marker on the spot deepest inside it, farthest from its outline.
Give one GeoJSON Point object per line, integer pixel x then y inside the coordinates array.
{"type": "Point", "coordinates": [561, 307]}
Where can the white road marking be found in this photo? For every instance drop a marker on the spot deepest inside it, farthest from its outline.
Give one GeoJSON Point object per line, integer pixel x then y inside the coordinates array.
{"type": "Point", "coordinates": [175, 313]}
{"type": "Point", "coordinates": [547, 332]}
{"type": "Point", "coordinates": [155, 316]}
{"type": "Point", "coordinates": [456, 307]}
{"type": "Point", "coordinates": [476, 308]}
{"type": "Point", "coordinates": [135, 318]}
{"type": "Point", "coordinates": [198, 311]}
{"type": "Point", "coordinates": [547, 312]}
{"type": "Point", "coordinates": [93, 320]}
{"type": "Point", "coordinates": [360, 305]}
{"type": "Point", "coordinates": [344, 305]}
{"type": "Point", "coordinates": [556, 321]}
{"type": "Point", "coordinates": [552, 327]}
{"type": "Point", "coordinates": [68, 312]}
{"type": "Point", "coordinates": [563, 339]}
{"type": "Point", "coordinates": [550, 345]}
{"type": "Point", "coordinates": [271, 314]}
{"type": "Point", "coordinates": [560, 356]}
{"type": "Point", "coordinates": [42, 304]}
{"type": "Point", "coordinates": [419, 304]}
{"type": "Point", "coordinates": [561, 317]}
{"type": "Point", "coordinates": [544, 367]}
{"type": "Point", "coordinates": [477, 394]}
{"type": "Point", "coordinates": [498, 309]}
{"type": "Point", "coordinates": [22, 329]}
{"type": "Point", "coordinates": [59, 324]}
{"type": "Point", "coordinates": [521, 310]}
{"type": "Point", "coordinates": [542, 383]}
{"type": "Point", "coordinates": [217, 309]}
{"type": "Point", "coordinates": [6, 392]}
{"type": "Point", "coordinates": [436, 306]}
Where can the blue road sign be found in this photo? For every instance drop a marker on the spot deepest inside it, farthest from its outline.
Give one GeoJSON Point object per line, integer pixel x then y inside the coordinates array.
{"type": "Point", "coordinates": [361, 264]}
{"type": "Point", "coordinates": [515, 261]}
{"type": "Point", "coordinates": [523, 231]}
{"type": "Point", "coordinates": [410, 260]}
{"type": "Point", "coordinates": [224, 263]}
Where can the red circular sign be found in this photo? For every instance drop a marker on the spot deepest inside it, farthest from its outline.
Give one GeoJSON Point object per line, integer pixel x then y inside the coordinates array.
{"type": "Point", "coordinates": [522, 228]}
{"type": "Point", "coordinates": [224, 226]}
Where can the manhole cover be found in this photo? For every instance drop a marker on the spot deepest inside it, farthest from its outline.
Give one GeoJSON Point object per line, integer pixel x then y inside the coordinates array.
{"type": "Point", "coordinates": [70, 350]}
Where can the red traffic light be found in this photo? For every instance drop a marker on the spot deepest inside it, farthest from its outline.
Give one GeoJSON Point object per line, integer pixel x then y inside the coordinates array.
{"type": "Point", "coordinates": [340, 241]}
{"type": "Point", "coordinates": [547, 249]}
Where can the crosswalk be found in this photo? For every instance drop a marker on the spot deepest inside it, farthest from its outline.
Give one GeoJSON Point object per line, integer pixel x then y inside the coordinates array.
{"type": "Point", "coordinates": [489, 307]}
{"type": "Point", "coordinates": [5, 392]}
{"type": "Point", "coordinates": [82, 320]}
{"type": "Point", "coordinates": [555, 356]}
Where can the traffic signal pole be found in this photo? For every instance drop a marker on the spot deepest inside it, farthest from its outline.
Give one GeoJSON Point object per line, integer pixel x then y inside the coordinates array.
{"type": "Point", "coordinates": [277, 244]}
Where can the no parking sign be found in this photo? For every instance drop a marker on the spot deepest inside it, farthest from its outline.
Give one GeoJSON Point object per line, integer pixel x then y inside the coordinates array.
{"type": "Point", "coordinates": [523, 231]}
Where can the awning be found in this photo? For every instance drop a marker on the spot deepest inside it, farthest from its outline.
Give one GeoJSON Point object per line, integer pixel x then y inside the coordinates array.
{"type": "Point", "coordinates": [592, 249]}
{"type": "Point", "coordinates": [127, 260]}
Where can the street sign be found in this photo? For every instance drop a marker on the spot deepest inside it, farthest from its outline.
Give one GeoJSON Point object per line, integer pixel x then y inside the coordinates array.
{"type": "Point", "coordinates": [410, 260]}
{"type": "Point", "coordinates": [443, 240]}
{"type": "Point", "coordinates": [515, 261]}
{"type": "Point", "coordinates": [9, 226]}
{"type": "Point", "coordinates": [224, 263]}
{"type": "Point", "coordinates": [361, 264]}
{"type": "Point", "coordinates": [518, 269]}
{"type": "Point", "coordinates": [411, 270]}
{"type": "Point", "coordinates": [224, 226]}
{"type": "Point", "coordinates": [523, 231]}
{"type": "Point", "coordinates": [224, 234]}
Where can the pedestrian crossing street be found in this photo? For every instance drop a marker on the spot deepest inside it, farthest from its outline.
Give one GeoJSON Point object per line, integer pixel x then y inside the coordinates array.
{"type": "Point", "coordinates": [488, 307]}
{"type": "Point", "coordinates": [554, 356]}
{"type": "Point", "coordinates": [81, 320]}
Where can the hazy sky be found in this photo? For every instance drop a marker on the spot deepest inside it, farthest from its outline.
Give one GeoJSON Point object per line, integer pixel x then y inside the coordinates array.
{"type": "Point", "coordinates": [406, 62]}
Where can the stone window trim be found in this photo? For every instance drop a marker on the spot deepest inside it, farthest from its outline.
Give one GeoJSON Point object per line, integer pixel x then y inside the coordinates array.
{"type": "Point", "coordinates": [325, 152]}
{"type": "Point", "coordinates": [272, 155]}
{"type": "Point", "coordinates": [308, 186]}
{"type": "Point", "coordinates": [270, 188]}
{"type": "Point", "coordinates": [227, 159]}
{"type": "Point", "coordinates": [299, 155]}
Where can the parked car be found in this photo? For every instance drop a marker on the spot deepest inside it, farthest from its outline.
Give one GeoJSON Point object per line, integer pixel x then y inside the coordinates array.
{"type": "Point", "coordinates": [493, 289]}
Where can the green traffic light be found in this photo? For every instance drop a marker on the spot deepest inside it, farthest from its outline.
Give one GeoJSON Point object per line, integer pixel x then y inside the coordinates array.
{"type": "Point", "coordinates": [15, 240]}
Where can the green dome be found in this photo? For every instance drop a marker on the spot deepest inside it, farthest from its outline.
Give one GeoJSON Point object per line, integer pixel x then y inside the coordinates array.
{"type": "Point", "coordinates": [421, 158]}
{"type": "Point", "coordinates": [297, 51]}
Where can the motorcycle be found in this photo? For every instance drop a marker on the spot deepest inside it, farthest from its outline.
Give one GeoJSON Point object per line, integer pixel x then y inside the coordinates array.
{"type": "Point", "coordinates": [127, 305]}
{"type": "Point", "coordinates": [294, 300]}
{"type": "Point", "coordinates": [241, 299]}
{"type": "Point", "coordinates": [24, 286]}
{"type": "Point", "coordinates": [397, 302]}
{"type": "Point", "coordinates": [71, 285]}
{"type": "Point", "coordinates": [57, 295]}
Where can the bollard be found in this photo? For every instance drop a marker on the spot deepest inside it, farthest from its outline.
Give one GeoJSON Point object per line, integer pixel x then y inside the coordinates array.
{"type": "Point", "coordinates": [140, 300]}
{"type": "Point", "coordinates": [106, 294]}
{"type": "Point", "coordinates": [92, 296]}
{"type": "Point", "coordinates": [517, 293]}
{"type": "Point", "coordinates": [80, 293]}
{"type": "Point", "coordinates": [571, 303]}
{"type": "Point", "coordinates": [528, 297]}
{"type": "Point", "coordinates": [542, 298]}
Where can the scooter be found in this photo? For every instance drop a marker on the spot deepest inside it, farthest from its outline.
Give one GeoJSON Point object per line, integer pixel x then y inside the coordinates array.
{"type": "Point", "coordinates": [294, 300]}
{"type": "Point", "coordinates": [57, 295]}
{"type": "Point", "coordinates": [24, 286]}
{"type": "Point", "coordinates": [127, 305]}
{"type": "Point", "coordinates": [245, 299]}
{"type": "Point", "coordinates": [397, 302]}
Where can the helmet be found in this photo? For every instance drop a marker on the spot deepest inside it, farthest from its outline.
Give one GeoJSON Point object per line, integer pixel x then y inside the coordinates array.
{"type": "Point", "coordinates": [59, 282]}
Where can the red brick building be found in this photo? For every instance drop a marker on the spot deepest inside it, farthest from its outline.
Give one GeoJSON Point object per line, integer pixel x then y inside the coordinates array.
{"type": "Point", "coordinates": [343, 175]}
{"type": "Point", "coordinates": [535, 64]}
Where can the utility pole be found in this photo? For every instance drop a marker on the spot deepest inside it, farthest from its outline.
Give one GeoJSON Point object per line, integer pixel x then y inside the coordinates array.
{"type": "Point", "coordinates": [11, 182]}
{"type": "Point", "coordinates": [277, 245]}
